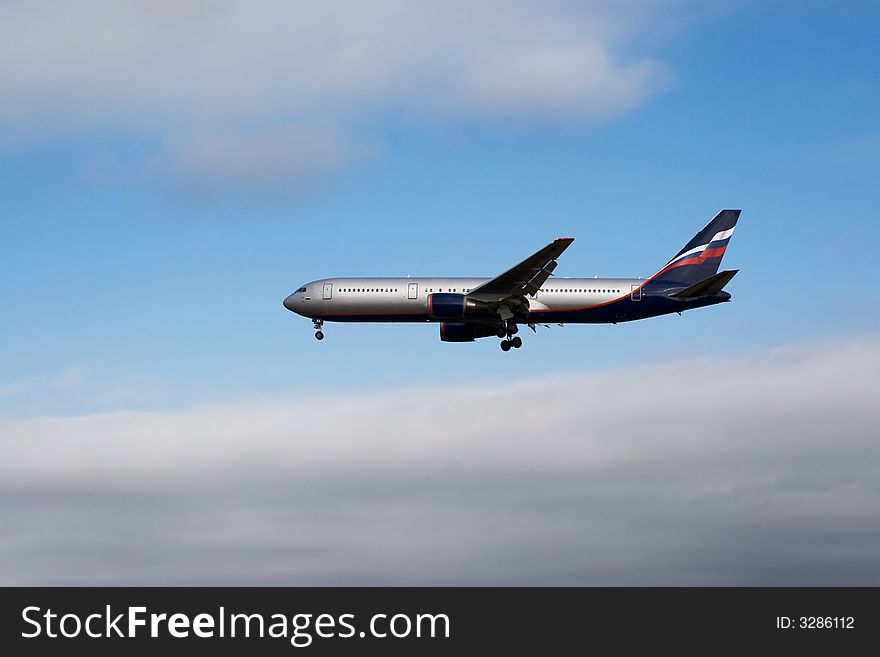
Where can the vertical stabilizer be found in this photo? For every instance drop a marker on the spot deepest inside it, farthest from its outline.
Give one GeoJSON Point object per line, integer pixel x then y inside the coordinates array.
{"type": "Point", "coordinates": [701, 257]}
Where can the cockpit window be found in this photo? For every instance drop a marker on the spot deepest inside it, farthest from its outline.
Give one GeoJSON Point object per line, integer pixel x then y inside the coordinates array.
{"type": "Point", "coordinates": [302, 289]}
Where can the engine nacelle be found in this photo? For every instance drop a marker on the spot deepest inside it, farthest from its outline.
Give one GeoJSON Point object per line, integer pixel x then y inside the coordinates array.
{"type": "Point", "coordinates": [445, 305]}
{"type": "Point", "coordinates": [461, 332]}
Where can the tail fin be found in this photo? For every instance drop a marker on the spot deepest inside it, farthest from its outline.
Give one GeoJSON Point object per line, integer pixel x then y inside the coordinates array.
{"type": "Point", "coordinates": [701, 257]}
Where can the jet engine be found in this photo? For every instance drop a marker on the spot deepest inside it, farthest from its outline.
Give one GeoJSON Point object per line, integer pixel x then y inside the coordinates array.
{"type": "Point", "coordinates": [462, 332]}
{"type": "Point", "coordinates": [444, 305]}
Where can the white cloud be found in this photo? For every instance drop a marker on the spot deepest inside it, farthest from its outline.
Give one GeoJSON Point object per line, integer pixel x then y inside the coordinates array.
{"type": "Point", "coordinates": [739, 470]}
{"type": "Point", "coordinates": [562, 80]}
{"type": "Point", "coordinates": [195, 70]}
{"type": "Point", "coordinates": [269, 162]}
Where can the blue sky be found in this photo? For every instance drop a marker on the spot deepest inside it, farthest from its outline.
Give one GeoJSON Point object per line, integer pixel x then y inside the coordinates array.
{"type": "Point", "coordinates": [146, 272]}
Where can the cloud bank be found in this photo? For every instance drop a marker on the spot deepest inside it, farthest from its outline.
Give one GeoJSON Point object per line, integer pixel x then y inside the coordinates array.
{"type": "Point", "coordinates": [754, 469]}
{"type": "Point", "coordinates": [236, 72]}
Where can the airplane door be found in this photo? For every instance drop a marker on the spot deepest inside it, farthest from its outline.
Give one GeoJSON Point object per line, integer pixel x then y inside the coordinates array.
{"type": "Point", "coordinates": [413, 291]}
{"type": "Point", "coordinates": [636, 293]}
{"type": "Point", "coordinates": [328, 290]}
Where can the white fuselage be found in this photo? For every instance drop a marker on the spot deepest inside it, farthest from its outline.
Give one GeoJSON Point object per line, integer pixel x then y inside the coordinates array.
{"type": "Point", "coordinates": [406, 299]}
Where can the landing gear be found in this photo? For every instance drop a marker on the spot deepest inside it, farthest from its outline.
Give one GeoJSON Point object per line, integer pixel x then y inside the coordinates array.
{"type": "Point", "coordinates": [509, 339]}
{"type": "Point", "coordinates": [319, 335]}
{"type": "Point", "coordinates": [317, 324]}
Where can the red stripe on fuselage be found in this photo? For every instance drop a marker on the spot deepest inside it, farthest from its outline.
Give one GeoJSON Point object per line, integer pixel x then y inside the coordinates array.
{"type": "Point", "coordinates": [595, 305]}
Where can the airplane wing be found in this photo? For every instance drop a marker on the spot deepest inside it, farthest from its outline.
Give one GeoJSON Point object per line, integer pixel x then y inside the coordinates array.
{"type": "Point", "coordinates": [526, 277]}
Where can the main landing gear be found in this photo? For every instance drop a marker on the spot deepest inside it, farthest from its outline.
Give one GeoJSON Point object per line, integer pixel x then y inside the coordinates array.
{"type": "Point", "coordinates": [317, 324]}
{"type": "Point", "coordinates": [515, 342]}
{"type": "Point", "coordinates": [510, 340]}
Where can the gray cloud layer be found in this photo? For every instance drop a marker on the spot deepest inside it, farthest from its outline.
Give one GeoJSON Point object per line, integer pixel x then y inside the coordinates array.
{"type": "Point", "coordinates": [756, 469]}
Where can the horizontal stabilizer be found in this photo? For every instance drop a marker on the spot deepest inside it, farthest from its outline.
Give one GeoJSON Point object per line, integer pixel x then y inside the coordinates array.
{"type": "Point", "coordinates": [707, 286]}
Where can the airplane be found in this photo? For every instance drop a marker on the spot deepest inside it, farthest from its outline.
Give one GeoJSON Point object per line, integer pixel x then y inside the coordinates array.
{"type": "Point", "coordinates": [527, 294]}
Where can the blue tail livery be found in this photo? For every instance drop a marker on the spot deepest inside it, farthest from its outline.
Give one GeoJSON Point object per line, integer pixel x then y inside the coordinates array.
{"type": "Point", "coordinates": [701, 257]}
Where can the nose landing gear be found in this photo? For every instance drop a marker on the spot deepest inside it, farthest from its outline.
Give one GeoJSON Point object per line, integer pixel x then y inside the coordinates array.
{"type": "Point", "coordinates": [317, 324]}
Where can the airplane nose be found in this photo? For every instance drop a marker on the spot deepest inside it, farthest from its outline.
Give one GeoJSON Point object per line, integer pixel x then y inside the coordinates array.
{"type": "Point", "coordinates": [288, 302]}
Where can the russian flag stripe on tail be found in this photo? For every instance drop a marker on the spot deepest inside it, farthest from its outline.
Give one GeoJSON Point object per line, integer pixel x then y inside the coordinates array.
{"type": "Point", "coordinates": [701, 257]}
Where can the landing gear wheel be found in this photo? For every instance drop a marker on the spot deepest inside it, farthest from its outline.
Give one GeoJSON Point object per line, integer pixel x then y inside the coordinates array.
{"type": "Point", "coordinates": [501, 332]}
{"type": "Point", "coordinates": [512, 328]}
{"type": "Point", "coordinates": [516, 343]}
{"type": "Point", "coordinates": [505, 345]}
{"type": "Point", "coordinates": [319, 335]}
